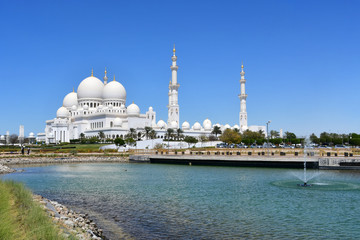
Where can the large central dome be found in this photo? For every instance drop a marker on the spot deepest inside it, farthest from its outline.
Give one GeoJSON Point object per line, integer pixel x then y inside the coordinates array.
{"type": "Point", "coordinates": [90, 87]}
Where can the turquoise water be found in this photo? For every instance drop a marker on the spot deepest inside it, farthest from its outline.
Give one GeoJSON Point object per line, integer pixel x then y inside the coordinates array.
{"type": "Point", "coordinates": [155, 201]}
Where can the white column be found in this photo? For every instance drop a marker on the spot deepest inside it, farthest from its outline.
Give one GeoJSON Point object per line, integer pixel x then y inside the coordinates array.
{"type": "Point", "coordinates": [243, 96]}
{"type": "Point", "coordinates": [173, 107]}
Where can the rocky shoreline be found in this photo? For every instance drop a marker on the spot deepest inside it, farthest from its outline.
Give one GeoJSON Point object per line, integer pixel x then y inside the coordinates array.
{"type": "Point", "coordinates": [70, 222]}
{"type": "Point", "coordinates": [64, 159]}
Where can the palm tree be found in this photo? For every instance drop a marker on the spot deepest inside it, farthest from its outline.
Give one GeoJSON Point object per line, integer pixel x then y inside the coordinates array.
{"type": "Point", "coordinates": [179, 133]}
{"type": "Point", "coordinates": [152, 134]}
{"type": "Point", "coordinates": [216, 130]}
{"type": "Point", "coordinates": [101, 135]}
{"type": "Point", "coordinates": [169, 133]}
{"type": "Point", "coordinates": [147, 131]}
{"type": "Point", "coordinates": [274, 134]}
{"type": "Point", "coordinates": [261, 132]}
{"type": "Point", "coordinates": [133, 133]}
{"type": "Point", "coordinates": [82, 135]}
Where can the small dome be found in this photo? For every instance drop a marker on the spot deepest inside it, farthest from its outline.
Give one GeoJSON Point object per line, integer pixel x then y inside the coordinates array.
{"type": "Point", "coordinates": [236, 127]}
{"type": "Point", "coordinates": [86, 107]}
{"type": "Point", "coordinates": [2, 137]}
{"type": "Point", "coordinates": [151, 109]}
{"type": "Point", "coordinates": [122, 106]}
{"type": "Point", "coordinates": [117, 122]}
{"type": "Point", "coordinates": [31, 135]}
{"type": "Point", "coordinates": [70, 100]}
{"type": "Point", "coordinates": [133, 109]}
{"type": "Point", "coordinates": [62, 113]}
{"type": "Point", "coordinates": [100, 106]}
{"type": "Point", "coordinates": [90, 87]}
{"type": "Point", "coordinates": [161, 124]}
{"type": "Point", "coordinates": [207, 125]}
{"type": "Point", "coordinates": [227, 126]}
{"type": "Point", "coordinates": [173, 125]}
{"type": "Point", "coordinates": [197, 126]}
{"type": "Point", "coordinates": [74, 108]}
{"type": "Point", "coordinates": [114, 90]}
{"type": "Point", "coordinates": [185, 125]}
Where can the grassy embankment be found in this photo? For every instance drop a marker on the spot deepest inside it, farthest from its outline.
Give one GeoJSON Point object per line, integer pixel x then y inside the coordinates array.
{"type": "Point", "coordinates": [21, 217]}
{"type": "Point", "coordinates": [61, 148]}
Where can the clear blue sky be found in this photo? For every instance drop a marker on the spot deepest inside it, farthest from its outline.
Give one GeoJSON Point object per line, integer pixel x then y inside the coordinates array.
{"type": "Point", "coordinates": [302, 59]}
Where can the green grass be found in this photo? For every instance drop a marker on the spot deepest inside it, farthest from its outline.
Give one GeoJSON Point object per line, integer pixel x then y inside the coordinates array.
{"type": "Point", "coordinates": [94, 146]}
{"type": "Point", "coordinates": [81, 148]}
{"type": "Point", "coordinates": [21, 217]}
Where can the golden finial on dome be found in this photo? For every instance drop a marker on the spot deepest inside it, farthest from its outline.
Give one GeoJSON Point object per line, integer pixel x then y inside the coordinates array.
{"type": "Point", "coordinates": [73, 89]}
{"type": "Point", "coordinates": [92, 72]}
{"type": "Point", "coordinates": [242, 64]}
{"type": "Point", "coordinates": [114, 78]}
{"type": "Point", "coordinates": [105, 71]}
{"type": "Point", "coordinates": [174, 49]}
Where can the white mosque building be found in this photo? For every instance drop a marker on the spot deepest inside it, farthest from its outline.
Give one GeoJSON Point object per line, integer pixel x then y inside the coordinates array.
{"type": "Point", "coordinates": [101, 106]}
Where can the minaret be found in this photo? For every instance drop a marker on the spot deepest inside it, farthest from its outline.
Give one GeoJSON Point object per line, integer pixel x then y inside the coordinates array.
{"type": "Point", "coordinates": [105, 78]}
{"type": "Point", "coordinates": [243, 96]}
{"type": "Point", "coordinates": [173, 107]}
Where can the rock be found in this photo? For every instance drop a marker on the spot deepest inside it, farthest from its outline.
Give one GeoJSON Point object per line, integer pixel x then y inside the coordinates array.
{"type": "Point", "coordinates": [5, 169]}
{"type": "Point", "coordinates": [80, 236]}
{"type": "Point", "coordinates": [69, 223]}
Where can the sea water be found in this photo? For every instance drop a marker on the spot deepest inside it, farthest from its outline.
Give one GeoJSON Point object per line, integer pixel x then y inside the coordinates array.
{"type": "Point", "coordinates": [159, 201]}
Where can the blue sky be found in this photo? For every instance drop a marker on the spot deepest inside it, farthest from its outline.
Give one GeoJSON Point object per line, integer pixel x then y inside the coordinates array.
{"type": "Point", "coordinates": [302, 59]}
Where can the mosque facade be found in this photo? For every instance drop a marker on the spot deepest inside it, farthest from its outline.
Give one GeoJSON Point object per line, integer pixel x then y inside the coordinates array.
{"type": "Point", "coordinates": [101, 106]}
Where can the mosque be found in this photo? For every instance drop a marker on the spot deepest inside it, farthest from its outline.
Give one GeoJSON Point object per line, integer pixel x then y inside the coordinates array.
{"type": "Point", "coordinates": [101, 106]}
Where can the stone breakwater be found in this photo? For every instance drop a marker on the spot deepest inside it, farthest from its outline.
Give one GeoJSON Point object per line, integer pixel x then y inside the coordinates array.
{"type": "Point", "coordinates": [5, 169]}
{"type": "Point", "coordinates": [70, 159]}
{"type": "Point", "coordinates": [70, 222]}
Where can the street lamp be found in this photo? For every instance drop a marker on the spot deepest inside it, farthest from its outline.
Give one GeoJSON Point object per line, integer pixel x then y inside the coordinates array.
{"type": "Point", "coordinates": [267, 134]}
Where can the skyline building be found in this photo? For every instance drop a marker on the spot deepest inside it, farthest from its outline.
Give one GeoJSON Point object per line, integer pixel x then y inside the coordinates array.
{"type": "Point", "coordinates": [21, 134]}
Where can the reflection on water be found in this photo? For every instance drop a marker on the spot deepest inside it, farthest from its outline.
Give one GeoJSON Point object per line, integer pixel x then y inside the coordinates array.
{"type": "Point", "coordinates": [148, 201]}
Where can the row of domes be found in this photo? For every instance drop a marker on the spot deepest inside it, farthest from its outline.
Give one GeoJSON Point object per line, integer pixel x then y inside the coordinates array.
{"type": "Point", "coordinates": [207, 125]}
{"type": "Point", "coordinates": [94, 88]}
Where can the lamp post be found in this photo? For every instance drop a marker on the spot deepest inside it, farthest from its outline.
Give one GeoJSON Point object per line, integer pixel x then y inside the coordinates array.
{"type": "Point", "coordinates": [267, 134]}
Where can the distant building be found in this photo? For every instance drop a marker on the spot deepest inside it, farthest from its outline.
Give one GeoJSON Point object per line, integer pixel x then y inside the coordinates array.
{"type": "Point", "coordinates": [21, 134]}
